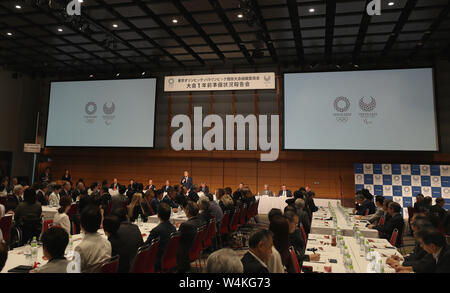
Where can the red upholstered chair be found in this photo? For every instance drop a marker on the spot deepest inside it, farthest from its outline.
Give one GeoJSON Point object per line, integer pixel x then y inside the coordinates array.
{"type": "Point", "coordinates": [234, 225]}
{"type": "Point", "coordinates": [304, 235]}
{"type": "Point", "coordinates": [381, 221]}
{"type": "Point", "coordinates": [210, 233]}
{"type": "Point", "coordinates": [243, 220]}
{"type": "Point", "coordinates": [110, 266]}
{"type": "Point", "coordinates": [294, 260]}
{"type": "Point", "coordinates": [169, 261]}
{"type": "Point", "coordinates": [47, 224]}
{"type": "Point", "coordinates": [196, 248]}
{"type": "Point", "coordinates": [145, 258]}
{"type": "Point", "coordinates": [394, 236]}
{"type": "Point", "coordinates": [5, 226]}
{"type": "Point", "coordinates": [73, 210]}
{"type": "Point", "coordinates": [152, 256]}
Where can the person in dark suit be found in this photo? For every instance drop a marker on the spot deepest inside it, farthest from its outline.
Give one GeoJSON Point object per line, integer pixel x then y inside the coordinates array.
{"type": "Point", "coordinates": [66, 190]}
{"type": "Point", "coordinates": [365, 205]}
{"type": "Point", "coordinates": [186, 180]}
{"type": "Point", "coordinates": [395, 222]}
{"type": "Point", "coordinates": [46, 177]}
{"type": "Point", "coordinates": [237, 194]}
{"type": "Point", "coordinates": [163, 231]}
{"type": "Point", "coordinates": [438, 209]}
{"type": "Point", "coordinates": [260, 249]}
{"type": "Point", "coordinates": [4, 187]}
{"type": "Point", "coordinates": [204, 188]}
{"type": "Point", "coordinates": [115, 185]}
{"type": "Point", "coordinates": [150, 186]}
{"type": "Point", "coordinates": [170, 200]}
{"type": "Point", "coordinates": [67, 176]}
{"type": "Point", "coordinates": [284, 191]}
{"type": "Point", "coordinates": [157, 199]}
{"type": "Point", "coordinates": [192, 193]}
{"type": "Point", "coordinates": [28, 216]}
{"type": "Point", "coordinates": [166, 187]}
{"type": "Point", "coordinates": [41, 194]}
{"type": "Point", "coordinates": [15, 199]}
{"type": "Point", "coordinates": [188, 231]}
{"type": "Point", "coordinates": [303, 215]}
{"type": "Point", "coordinates": [125, 238]}
{"type": "Point", "coordinates": [418, 203]}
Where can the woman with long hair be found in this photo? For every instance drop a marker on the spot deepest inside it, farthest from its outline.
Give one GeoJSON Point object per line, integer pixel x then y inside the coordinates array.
{"type": "Point", "coordinates": [135, 209]}
{"type": "Point", "coordinates": [61, 218]}
{"type": "Point", "coordinates": [279, 226]}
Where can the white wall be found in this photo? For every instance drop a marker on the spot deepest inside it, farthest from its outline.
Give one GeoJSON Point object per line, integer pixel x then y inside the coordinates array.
{"type": "Point", "coordinates": [19, 104]}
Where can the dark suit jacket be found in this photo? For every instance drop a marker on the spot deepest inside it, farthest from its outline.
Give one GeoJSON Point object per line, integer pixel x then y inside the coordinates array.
{"type": "Point", "coordinates": [311, 207]}
{"type": "Point", "coordinates": [41, 198]}
{"type": "Point", "coordinates": [205, 190]}
{"type": "Point", "coordinates": [438, 212]}
{"type": "Point", "coordinates": [181, 199]}
{"type": "Point", "coordinates": [188, 183]}
{"type": "Point", "coordinates": [288, 193]}
{"type": "Point", "coordinates": [252, 265]}
{"type": "Point", "coordinates": [12, 202]}
{"type": "Point", "coordinates": [170, 202]}
{"type": "Point", "coordinates": [443, 263]}
{"type": "Point", "coordinates": [126, 242]}
{"type": "Point", "coordinates": [163, 231]}
{"type": "Point", "coordinates": [420, 260]}
{"type": "Point", "coordinates": [166, 188]}
{"type": "Point", "coordinates": [193, 196]}
{"type": "Point", "coordinates": [153, 187]}
{"type": "Point", "coordinates": [117, 186]}
{"type": "Point", "coordinates": [366, 205]}
{"type": "Point", "coordinates": [304, 220]}
{"type": "Point", "coordinates": [187, 230]}
{"type": "Point", "coordinates": [396, 222]}
{"type": "Point", "coordinates": [155, 204]}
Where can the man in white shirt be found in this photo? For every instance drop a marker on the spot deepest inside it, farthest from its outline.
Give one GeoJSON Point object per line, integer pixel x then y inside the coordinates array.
{"type": "Point", "coordinates": [266, 190]}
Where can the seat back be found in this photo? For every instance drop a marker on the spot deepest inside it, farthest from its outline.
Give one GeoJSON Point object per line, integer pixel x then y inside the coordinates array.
{"type": "Point", "coordinates": [47, 224]}
{"type": "Point", "coordinates": [152, 256]}
{"type": "Point", "coordinates": [196, 247]}
{"type": "Point", "coordinates": [223, 229]}
{"type": "Point", "coordinates": [169, 260]}
{"type": "Point", "coordinates": [257, 206]}
{"type": "Point", "coordinates": [140, 262]}
{"type": "Point", "coordinates": [110, 266]}
{"type": "Point", "coordinates": [294, 260]}
{"type": "Point", "coordinates": [3, 200]}
{"type": "Point", "coordinates": [367, 212]}
{"type": "Point", "coordinates": [210, 234]}
{"type": "Point", "coordinates": [381, 221]}
{"type": "Point", "coordinates": [243, 215]}
{"type": "Point", "coordinates": [235, 220]}
{"type": "Point", "coordinates": [394, 236]}
{"type": "Point", "coordinates": [304, 235]}
{"type": "Point", "coordinates": [73, 210]}
{"type": "Point", "coordinates": [251, 210]}
{"type": "Point", "coordinates": [5, 226]}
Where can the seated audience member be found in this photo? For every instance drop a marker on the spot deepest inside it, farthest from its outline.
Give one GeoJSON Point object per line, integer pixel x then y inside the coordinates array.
{"type": "Point", "coordinates": [119, 199]}
{"type": "Point", "coordinates": [419, 202]}
{"type": "Point", "coordinates": [163, 232]}
{"type": "Point", "coordinates": [28, 216]}
{"type": "Point", "coordinates": [188, 230]}
{"type": "Point", "coordinates": [65, 190]}
{"type": "Point", "coordinates": [303, 215]}
{"type": "Point", "coordinates": [375, 217]}
{"type": "Point", "coordinates": [132, 185]}
{"type": "Point", "coordinates": [433, 242]}
{"type": "Point", "coordinates": [216, 211]}
{"type": "Point", "coordinates": [157, 200]}
{"type": "Point", "coordinates": [309, 203]}
{"type": "Point", "coordinates": [17, 197]}
{"type": "Point", "coordinates": [125, 238]}
{"type": "Point", "coordinates": [170, 200]}
{"type": "Point", "coordinates": [78, 191]}
{"type": "Point", "coordinates": [135, 209]}
{"type": "Point", "coordinates": [46, 177]}
{"type": "Point", "coordinates": [260, 250]}
{"type": "Point", "coordinates": [54, 197]}
{"type": "Point", "coordinates": [181, 198]}
{"type": "Point", "coordinates": [296, 239]}
{"type": "Point", "coordinates": [205, 213]}
{"type": "Point", "coordinates": [365, 205]}
{"type": "Point", "coordinates": [225, 201]}
{"type": "Point", "coordinates": [93, 249]}
{"type": "Point", "coordinates": [5, 189]}
{"type": "Point", "coordinates": [224, 261]}
{"type": "Point", "coordinates": [426, 204]}
{"type": "Point", "coordinates": [41, 194]}
{"type": "Point", "coordinates": [395, 222]}
{"type": "Point", "coordinates": [105, 197]}
{"type": "Point", "coordinates": [438, 209]}
{"type": "Point", "coordinates": [115, 185]}
{"type": "Point", "coordinates": [238, 194]}
{"type": "Point", "coordinates": [93, 188]}
{"type": "Point", "coordinates": [193, 193]}
{"type": "Point", "coordinates": [419, 260]}
{"type": "Point", "coordinates": [3, 253]}
{"type": "Point", "coordinates": [247, 196]}
{"type": "Point", "coordinates": [204, 188]}
{"type": "Point", "coordinates": [284, 191]}
{"type": "Point", "coordinates": [267, 191]}
{"type": "Point", "coordinates": [149, 195]}
{"type": "Point", "coordinates": [279, 259]}
{"type": "Point", "coordinates": [61, 218]}
{"type": "Point", "coordinates": [54, 243]}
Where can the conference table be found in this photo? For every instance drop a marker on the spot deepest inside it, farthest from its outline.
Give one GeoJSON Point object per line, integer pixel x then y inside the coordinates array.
{"type": "Point", "coordinates": [16, 257]}
{"type": "Point", "coordinates": [48, 212]}
{"type": "Point", "coordinates": [178, 217]}
{"type": "Point", "coordinates": [322, 223]}
{"type": "Point", "coordinates": [266, 203]}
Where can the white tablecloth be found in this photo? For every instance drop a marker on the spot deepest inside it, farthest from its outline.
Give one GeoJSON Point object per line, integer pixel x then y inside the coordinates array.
{"type": "Point", "coordinates": [266, 203]}
{"type": "Point", "coordinates": [49, 212]}
{"type": "Point", "coordinates": [174, 218]}
{"type": "Point", "coordinates": [16, 256]}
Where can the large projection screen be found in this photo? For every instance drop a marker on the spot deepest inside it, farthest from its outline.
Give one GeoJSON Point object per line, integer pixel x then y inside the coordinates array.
{"type": "Point", "coordinates": [389, 110]}
{"type": "Point", "coordinates": [104, 113]}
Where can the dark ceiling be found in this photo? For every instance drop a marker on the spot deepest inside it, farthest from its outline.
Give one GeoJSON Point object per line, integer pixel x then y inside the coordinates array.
{"type": "Point", "coordinates": [209, 33]}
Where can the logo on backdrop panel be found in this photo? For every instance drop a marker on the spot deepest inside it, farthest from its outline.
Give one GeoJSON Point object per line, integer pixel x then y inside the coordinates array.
{"type": "Point", "coordinates": [108, 109]}
{"type": "Point", "coordinates": [90, 108]}
{"type": "Point", "coordinates": [342, 106]}
{"type": "Point", "coordinates": [368, 106]}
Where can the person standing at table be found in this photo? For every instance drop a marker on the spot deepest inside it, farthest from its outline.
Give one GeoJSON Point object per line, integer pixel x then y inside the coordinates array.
{"type": "Point", "coordinates": [163, 231]}
{"type": "Point", "coordinates": [266, 190]}
{"type": "Point", "coordinates": [284, 191]}
{"type": "Point", "coordinates": [93, 249]}
{"type": "Point", "coordinates": [260, 250]}
{"type": "Point", "coordinates": [186, 181]}
{"type": "Point", "coordinates": [67, 176]}
{"type": "Point", "coordinates": [54, 243]}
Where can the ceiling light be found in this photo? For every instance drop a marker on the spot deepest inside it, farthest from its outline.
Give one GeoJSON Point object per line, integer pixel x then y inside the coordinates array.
{"type": "Point", "coordinates": [91, 76]}
{"type": "Point", "coordinates": [143, 73]}
{"type": "Point", "coordinates": [117, 75]}
{"type": "Point", "coordinates": [115, 25]}
{"type": "Point", "coordinates": [18, 7]}
{"type": "Point", "coordinates": [81, 1]}
{"type": "Point", "coordinates": [60, 29]}
{"type": "Point", "coordinates": [240, 15]}
{"type": "Point", "coordinates": [175, 20]}
{"type": "Point", "coordinates": [391, 3]}
{"type": "Point", "coordinates": [311, 10]}
{"type": "Point", "coordinates": [9, 34]}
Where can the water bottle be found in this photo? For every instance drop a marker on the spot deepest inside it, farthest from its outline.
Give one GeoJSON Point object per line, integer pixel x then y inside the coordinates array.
{"type": "Point", "coordinates": [351, 270]}
{"type": "Point", "coordinates": [34, 250]}
{"type": "Point", "coordinates": [380, 267]}
{"type": "Point", "coordinates": [70, 243]}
